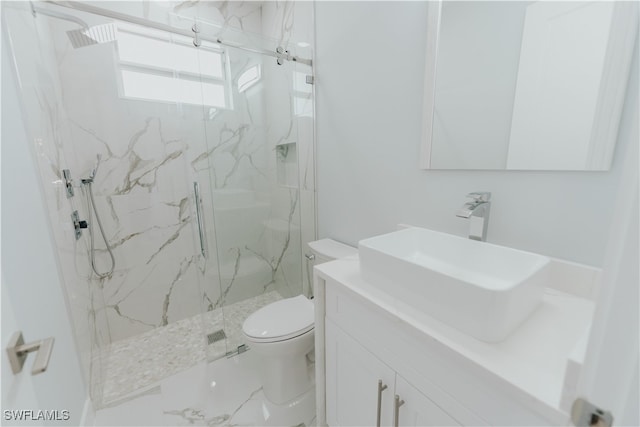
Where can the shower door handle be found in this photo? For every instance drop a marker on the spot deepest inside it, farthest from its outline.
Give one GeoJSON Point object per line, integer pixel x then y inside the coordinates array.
{"type": "Point", "coordinates": [199, 218]}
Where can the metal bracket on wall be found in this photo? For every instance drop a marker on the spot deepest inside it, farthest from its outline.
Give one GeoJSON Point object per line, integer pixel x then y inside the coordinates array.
{"type": "Point", "coordinates": [68, 182]}
{"type": "Point", "coordinates": [17, 351]}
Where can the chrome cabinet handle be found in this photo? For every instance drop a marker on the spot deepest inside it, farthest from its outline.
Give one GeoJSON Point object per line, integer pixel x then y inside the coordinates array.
{"type": "Point", "coordinates": [381, 388]}
{"type": "Point", "coordinates": [396, 410]}
{"type": "Point", "coordinates": [196, 192]}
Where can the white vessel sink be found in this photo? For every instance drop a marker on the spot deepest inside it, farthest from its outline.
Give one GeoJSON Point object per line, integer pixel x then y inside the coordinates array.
{"type": "Point", "coordinates": [482, 289]}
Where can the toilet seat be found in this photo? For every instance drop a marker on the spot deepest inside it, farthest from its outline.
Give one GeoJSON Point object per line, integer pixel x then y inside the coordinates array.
{"type": "Point", "coordinates": [280, 321]}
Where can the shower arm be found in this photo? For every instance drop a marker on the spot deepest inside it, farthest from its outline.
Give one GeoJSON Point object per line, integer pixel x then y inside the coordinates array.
{"type": "Point", "coordinates": [55, 14]}
{"type": "Point", "coordinates": [84, 7]}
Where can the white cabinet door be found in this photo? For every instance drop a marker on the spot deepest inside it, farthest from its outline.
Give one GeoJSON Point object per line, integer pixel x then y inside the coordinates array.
{"type": "Point", "coordinates": [417, 409]}
{"type": "Point", "coordinates": [352, 375]}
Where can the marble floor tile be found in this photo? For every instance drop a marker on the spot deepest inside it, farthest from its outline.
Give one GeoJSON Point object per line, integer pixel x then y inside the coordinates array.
{"type": "Point", "coordinates": [141, 410]}
{"type": "Point", "coordinates": [226, 392]}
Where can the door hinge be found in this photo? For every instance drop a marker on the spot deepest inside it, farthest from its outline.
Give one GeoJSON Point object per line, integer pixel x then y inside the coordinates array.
{"type": "Point", "coordinates": [586, 414]}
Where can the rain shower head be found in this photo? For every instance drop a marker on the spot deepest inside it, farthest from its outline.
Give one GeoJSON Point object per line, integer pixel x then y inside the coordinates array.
{"type": "Point", "coordinates": [85, 36]}
{"type": "Point", "coordinates": [92, 35]}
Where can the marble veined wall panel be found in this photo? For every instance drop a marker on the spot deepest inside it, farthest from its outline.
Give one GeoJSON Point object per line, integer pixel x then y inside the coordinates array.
{"type": "Point", "coordinates": [142, 189]}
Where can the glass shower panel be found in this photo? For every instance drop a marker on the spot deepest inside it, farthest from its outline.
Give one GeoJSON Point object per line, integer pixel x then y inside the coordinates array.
{"type": "Point", "coordinates": [111, 89]}
{"type": "Point", "coordinates": [35, 62]}
{"type": "Point", "coordinates": [304, 112]}
{"type": "Point", "coordinates": [252, 163]}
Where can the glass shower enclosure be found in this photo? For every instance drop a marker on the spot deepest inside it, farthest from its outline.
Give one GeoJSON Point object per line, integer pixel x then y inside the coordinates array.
{"type": "Point", "coordinates": [204, 187]}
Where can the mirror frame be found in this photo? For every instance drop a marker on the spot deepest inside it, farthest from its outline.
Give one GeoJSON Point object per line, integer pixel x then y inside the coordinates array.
{"type": "Point", "coordinates": [611, 95]}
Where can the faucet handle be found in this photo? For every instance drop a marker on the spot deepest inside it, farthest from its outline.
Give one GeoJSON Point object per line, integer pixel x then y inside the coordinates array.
{"type": "Point", "coordinates": [480, 196]}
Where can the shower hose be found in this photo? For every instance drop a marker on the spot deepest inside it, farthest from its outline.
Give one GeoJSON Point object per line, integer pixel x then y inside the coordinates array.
{"type": "Point", "coordinates": [92, 204]}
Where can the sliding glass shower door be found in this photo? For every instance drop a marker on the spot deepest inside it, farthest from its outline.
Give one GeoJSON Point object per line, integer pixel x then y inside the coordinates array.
{"type": "Point", "coordinates": [94, 86]}
{"type": "Point", "coordinates": [251, 170]}
{"type": "Point", "coordinates": [204, 185]}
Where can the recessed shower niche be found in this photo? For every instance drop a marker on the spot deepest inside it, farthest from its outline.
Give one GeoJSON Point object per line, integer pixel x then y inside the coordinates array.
{"type": "Point", "coordinates": [287, 165]}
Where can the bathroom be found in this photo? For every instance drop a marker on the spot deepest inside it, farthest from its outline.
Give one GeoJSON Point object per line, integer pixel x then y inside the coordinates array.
{"type": "Point", "coordinates": [209, 204]}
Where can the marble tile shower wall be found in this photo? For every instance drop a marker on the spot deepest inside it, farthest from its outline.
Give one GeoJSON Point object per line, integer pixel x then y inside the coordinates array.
{"type": "Point", "coordinates": [143, 190]}
{"type": "Point", "coordinates": [291, 25]}
{"type": "Point", "coordinates": [151, 155]}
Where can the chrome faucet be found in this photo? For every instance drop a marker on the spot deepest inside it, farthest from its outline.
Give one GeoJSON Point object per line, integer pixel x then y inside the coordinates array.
{"type": "Point", "coordinates": [477, 211]}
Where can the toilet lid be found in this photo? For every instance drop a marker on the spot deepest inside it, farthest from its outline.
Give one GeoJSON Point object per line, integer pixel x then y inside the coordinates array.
{"type": "Point", "coordinates": [280, 320]}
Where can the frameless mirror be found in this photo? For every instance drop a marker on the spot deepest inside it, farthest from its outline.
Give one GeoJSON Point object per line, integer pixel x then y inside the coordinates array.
{"type": "Point", "coordinates": [525, 85]}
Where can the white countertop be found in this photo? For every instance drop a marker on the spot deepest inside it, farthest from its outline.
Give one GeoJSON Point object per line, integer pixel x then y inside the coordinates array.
{"type": "Point", "coordinates": [532, 359]}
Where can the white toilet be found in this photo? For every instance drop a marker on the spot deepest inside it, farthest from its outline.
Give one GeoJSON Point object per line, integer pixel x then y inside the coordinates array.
{"type": "Point", "coordinates": [281, 334]}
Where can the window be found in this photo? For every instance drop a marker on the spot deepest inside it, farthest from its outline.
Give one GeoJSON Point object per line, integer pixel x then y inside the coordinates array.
{"type": "Point", "coordinates": [157, 66]}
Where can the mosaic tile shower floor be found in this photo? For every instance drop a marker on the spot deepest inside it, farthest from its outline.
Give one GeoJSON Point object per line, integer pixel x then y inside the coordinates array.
{"type": "Point", "coordinates": [136, 363]}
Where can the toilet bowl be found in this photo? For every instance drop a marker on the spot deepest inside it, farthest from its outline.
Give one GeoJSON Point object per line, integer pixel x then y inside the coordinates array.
{"type": "Point", "coordinates": [282, 335]}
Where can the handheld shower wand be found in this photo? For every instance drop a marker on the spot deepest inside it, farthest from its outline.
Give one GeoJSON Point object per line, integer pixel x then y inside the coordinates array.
{"type": "Point", "coordinates": [91, 203]}
{"type": "Point", "coordinates": [95, 169]}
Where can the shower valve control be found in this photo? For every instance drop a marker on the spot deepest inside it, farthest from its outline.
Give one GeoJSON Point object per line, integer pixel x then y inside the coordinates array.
{"type": "Point", "coordinates": [78, 225]}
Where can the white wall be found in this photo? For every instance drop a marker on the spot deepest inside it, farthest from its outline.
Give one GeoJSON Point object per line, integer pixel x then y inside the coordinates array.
{"type": "Point", "coordinates": [32, 296]}
{"type": "Point", "coordinates": [369, 65]}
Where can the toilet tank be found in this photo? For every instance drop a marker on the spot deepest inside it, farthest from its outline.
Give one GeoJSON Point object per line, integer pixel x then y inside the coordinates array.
{"type": "Point", "coordinates": [326, 250]}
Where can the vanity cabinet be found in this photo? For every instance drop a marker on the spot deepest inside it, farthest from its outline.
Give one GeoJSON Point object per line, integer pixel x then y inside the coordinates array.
{"type": "Point", "coordinates": [444, 377]}
{"type": "Point", "coordinates": [364, 391]}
